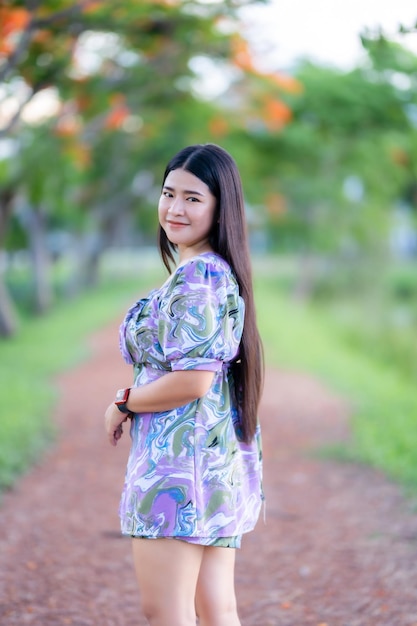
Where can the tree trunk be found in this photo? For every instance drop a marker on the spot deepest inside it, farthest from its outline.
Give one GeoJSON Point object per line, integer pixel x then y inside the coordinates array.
{"type": "Point", "coordinates": [86, 253]}
{"type": "Point", "coordinates": [40, 259]}
{"type": "Point", "coordinates": [93, 248]}
{"type": "Point", "coordinates": [93, 244]}
{"type": "Point", "coordinates": [306, 261]}
{"type": "Point", "coordinates": [305, 278]}
{"type": "Point", "coordinates": [8, 316]}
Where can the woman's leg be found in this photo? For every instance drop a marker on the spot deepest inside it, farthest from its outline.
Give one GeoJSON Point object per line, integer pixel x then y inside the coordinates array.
{"type": "Point", "coordinates": [167, 571]}
{"type": "Point", "coordinates": [215, 594]}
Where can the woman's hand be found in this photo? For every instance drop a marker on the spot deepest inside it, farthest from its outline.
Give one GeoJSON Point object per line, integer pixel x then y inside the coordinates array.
{"type": "Point", "coordinates": [170, 391]}
{"type": "Point", "coordinates": [114, 419]}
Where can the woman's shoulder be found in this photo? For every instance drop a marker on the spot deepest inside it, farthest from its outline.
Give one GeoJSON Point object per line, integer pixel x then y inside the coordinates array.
{"type": "Point", "coordinates": [206, 263]}
{"type": "Point", "coordinates": [207, 270]}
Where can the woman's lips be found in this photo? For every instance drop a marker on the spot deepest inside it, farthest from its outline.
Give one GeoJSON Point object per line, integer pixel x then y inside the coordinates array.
{"type": "Point", "coordinates": [176, 224]}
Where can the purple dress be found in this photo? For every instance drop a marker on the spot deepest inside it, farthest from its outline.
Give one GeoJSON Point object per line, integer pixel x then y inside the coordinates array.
{"type": "Point", "coordinates": [189, 475]}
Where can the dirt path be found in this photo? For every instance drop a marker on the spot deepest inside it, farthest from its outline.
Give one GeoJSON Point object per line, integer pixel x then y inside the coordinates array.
{"type": "Point", "coordinates": [339, 547]}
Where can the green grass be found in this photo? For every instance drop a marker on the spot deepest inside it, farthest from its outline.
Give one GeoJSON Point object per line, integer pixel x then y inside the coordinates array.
{"type": "Point", "coordinates": [383, 403]}
{"type": "Point", "coordinates": [44, 347]}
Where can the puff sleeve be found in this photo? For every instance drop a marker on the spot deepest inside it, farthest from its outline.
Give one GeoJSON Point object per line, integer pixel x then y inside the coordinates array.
{"type": "Point", "coordinates": [201, 316]}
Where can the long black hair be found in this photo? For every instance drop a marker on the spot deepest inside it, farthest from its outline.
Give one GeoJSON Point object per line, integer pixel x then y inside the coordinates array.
{"type": "Point", "coordinates": [228, 238]}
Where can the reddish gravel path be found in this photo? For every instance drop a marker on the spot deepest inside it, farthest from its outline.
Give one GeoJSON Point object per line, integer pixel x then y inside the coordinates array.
{"type": "Point", "coordinates": [339, 547]}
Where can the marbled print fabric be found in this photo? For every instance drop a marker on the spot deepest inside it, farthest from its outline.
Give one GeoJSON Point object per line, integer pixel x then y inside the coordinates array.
{"type": "Point", "coordinates": [188, 474]}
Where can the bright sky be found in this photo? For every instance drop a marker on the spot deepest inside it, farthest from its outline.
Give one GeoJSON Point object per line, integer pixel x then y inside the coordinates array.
{"type": "Point", "coordinates": [327, 31]}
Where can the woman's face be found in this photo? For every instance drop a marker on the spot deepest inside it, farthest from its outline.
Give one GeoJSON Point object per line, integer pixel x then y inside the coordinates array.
{"type": "Point", "coordinates": [186, 211]}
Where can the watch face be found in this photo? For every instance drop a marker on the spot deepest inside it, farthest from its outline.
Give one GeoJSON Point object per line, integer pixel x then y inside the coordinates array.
{"type": "Point", "coordinates": [120, 394]}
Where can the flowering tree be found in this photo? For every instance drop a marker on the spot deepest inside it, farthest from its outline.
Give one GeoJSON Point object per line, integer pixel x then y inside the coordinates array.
{"type": "Point", "coordinates": [122, 85]}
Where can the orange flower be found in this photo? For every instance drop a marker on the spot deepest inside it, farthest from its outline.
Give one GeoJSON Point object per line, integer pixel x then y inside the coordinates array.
{"type": "Point", "coordinates": [288, 83]}
{"type": "Point", "coordinates": [5, 48]}
{"type": "Point", "coordinates": [218, 126]}
{"type": "Point", "coordinates": [12, 20]}
{"type": "Point", "coordinates": [399, 156]}
{"type": "Point", "coordinates": [241, 54]}
{"type": "Point", "coordinates": [119, 112]}
{"type": "Point", "coordinates": [67, 126]}
{"type": "Point", "coordinates": [116, 118]}
{"type": "Point", "coordinates": [276, 205]}
{"type": "Point", "coordinates": [92, 7]}
{"type": "Point", "coordinates": [276, 114]}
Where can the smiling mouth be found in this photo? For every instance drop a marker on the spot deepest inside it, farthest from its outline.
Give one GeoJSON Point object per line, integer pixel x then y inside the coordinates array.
{"type": "Point", "coordinates": [177, 224]}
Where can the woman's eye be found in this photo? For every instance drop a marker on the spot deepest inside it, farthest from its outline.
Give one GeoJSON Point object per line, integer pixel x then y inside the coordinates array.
{"type": "Point", "coordinates": [167, 194]}
{"type": "Point", "coordinates": [191, 199]}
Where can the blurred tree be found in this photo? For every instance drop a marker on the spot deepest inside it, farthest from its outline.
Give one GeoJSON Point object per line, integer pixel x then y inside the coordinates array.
{"type": "Point", "coordinates": [122, 83]}
{"type": "Point", "coordinates": [323, 154]}
{"type": "Point", "coordinates": [397, 66]}
{"type": "Point", "coordinates": [342, 162]}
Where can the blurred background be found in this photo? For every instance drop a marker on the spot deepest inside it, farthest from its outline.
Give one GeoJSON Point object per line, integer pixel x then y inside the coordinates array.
{"type": "Point", "coordinates": [318, 105]}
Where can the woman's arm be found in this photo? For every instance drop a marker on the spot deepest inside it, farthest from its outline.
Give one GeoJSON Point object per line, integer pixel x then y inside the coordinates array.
{"type": "Point", "coordinates": [168, 392]}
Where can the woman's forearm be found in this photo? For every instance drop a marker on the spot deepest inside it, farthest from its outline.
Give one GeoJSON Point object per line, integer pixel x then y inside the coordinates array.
{"type": "Point", "coordinates": [170, 391]}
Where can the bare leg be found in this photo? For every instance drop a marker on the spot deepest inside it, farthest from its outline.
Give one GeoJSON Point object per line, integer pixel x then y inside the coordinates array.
{"type": "Point", "coordinates": [215, 595]}
{"type": "Point", "coordinates": [167, 571]}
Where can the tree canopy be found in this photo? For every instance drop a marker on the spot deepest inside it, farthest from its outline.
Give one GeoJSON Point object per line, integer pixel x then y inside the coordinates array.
{"type": "Point", "coordinates": [97, 96]}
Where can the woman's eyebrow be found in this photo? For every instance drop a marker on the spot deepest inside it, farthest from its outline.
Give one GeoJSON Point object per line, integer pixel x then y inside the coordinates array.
{"type": "Point", "coordinates": [190, 191]}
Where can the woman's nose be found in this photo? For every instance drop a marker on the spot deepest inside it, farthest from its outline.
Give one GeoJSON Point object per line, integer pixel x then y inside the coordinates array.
{"type": "Point", "coordinates": [176, 207]}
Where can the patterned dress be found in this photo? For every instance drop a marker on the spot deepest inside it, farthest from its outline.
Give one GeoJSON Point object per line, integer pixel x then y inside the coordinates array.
{"type": "Point", "coordinates": [189, 475]}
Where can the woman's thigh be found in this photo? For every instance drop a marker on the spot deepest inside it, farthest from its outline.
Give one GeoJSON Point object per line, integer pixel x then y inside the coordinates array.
{"type": "Point", "coordinates": [167, 572]}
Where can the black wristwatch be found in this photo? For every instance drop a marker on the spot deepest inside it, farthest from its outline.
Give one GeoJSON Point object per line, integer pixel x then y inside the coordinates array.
{"type": "Point", "coordinates": [122, 396]}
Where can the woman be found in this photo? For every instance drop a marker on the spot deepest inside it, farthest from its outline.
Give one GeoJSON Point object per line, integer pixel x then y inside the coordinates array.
{"type": "Point", "coordinates": [194, 470]}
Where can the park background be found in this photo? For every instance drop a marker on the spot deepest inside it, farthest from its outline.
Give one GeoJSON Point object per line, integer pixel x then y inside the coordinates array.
{"type": "Point", "coordinates": [95, 97]}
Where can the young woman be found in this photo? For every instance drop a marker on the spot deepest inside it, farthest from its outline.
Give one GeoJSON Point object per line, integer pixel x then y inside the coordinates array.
{"type": "Point", "coordinates": [193, 480]}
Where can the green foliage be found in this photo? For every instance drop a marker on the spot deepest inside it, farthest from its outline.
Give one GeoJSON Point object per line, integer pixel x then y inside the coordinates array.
{"type": "Point", "coordinates": [348, 103]}
{"type": "Point", "coordinates": [348, 126]}
{"type": "Point", "coordinates": [401, 282]}
{"type": "Point", "coordinates": [16, 238]}
{"type": "Point", "coordinates": [387, 55]}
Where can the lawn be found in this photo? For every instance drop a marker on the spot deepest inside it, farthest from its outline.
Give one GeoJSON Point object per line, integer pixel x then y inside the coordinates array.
{"type": "Point", "coordinates": [383, 402]}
